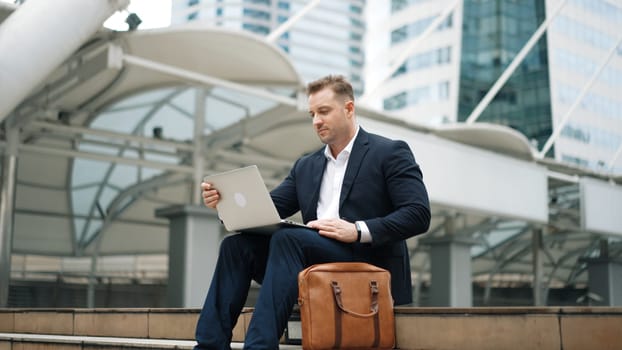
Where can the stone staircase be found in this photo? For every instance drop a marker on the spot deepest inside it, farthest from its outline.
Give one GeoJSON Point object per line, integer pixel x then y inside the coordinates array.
{"type": "Point", "coordinates": [416, 328]}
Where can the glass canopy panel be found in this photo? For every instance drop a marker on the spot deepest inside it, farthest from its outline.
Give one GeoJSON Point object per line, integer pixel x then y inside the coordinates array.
{"type": "Point", "coordinates": [121, 120]}
{"type": "Point", "coordinates": [142, 99]}
{"type": "Point", "coordinates": [82, 199]}
{"type": "Point", "coordinates": [86, 172]}
{"type": "Point", "coordinates": [174, 124]}
{"type": "Point", "coordinates": [124, 176]}
{"type": "Point", "coordinates": [166, 113]}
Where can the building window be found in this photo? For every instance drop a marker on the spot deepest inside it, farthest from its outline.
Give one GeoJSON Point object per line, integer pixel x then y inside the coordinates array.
{"type": "Point", "coordinates": [260, 15]}
{"type": "Point", "coordinates": [575, 160]}
{"type": "Point", "coordinates": [576, 133]}
{"type": "Point", "coordinates": [395, 102]}
{"type": "Point", "coordinates": [443, 90]}
{"type": "Point", "coordinates": [446, 24]}
{"type": "Point", "coordinates": [425, 60]}
{"type": "Point", "coordinates": [192, 16]}
{"type": "Point", "coordinates": [443, 55]}
{"type": "Point", "coordinates": [429, 93]}
{"type": "Point", "coordinates": [413, 30]}
{"type": "Point", "coordinates": [256, 28]}
{"type": "Point", "coordinates": [356, 9]}
{"type": "Point", "coordinates": [399, 35]}
{"type": "Point", "coordinates": [398, 5]}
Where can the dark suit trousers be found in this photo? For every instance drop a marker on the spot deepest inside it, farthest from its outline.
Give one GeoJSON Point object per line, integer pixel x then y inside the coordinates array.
{"type": "Point", "coordinates": [274, 261]}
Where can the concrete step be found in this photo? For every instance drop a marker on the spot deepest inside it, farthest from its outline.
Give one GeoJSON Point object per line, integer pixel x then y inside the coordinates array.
{"type": "Point", "coordinates": [9, 341]}
{"type": "Point", "coordinates": [62, 342]}
{"type": "Point", "coordinates": [416, 328]}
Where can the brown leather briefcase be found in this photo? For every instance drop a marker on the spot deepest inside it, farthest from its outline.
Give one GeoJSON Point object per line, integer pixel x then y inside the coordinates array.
{"type": "Point", "coordinates": [346, 306]}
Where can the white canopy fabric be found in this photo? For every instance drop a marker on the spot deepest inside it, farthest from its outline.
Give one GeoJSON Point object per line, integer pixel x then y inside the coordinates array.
{"type": "Point", "coordinates": [489, 136]}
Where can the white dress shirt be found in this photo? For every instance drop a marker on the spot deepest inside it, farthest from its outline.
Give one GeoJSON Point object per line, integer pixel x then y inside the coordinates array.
{"type": "Point", "coordinates": [332, 181]}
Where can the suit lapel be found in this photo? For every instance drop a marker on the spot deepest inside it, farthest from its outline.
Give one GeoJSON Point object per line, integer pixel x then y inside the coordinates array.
{"type": "Point", "coordinates": [359, 150]}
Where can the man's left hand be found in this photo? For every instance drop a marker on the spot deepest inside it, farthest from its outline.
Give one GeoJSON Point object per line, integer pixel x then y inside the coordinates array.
{"type": "Point", "coordinates": [336, 229]}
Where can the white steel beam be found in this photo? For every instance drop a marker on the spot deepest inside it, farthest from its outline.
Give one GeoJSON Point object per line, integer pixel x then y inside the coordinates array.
{"type": "Point", "coordinates": [206, 79]}
{"type": "Point", "coordinates": [507, 73]}
{"type": "Point", "coordinates": [27, 59]}
{"type": "Point", "coordinates": [141, 140]}
{"type": "Point", "coordinates": [615, 157]}
{"type": "Point", "coordinates": [275, 34]}
{"type": "Point", "coordinates": [563, 177]}
{"type": "Point", "coordinates": [7, 200]}
{"type": "Point", "coordinates": [105, 158]}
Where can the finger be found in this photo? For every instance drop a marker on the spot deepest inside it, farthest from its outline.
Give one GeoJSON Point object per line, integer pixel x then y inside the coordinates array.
{"type": "Point", "coordinates": [209, 193]}
{"type": "Point", "coordinates": [326, 228]}
{"type": "Point", "coordinates": [327, 234]}
{"type": "Point", "coordinates": [318, 225]}
{"type": "Point", "coordinates": [214, 198]}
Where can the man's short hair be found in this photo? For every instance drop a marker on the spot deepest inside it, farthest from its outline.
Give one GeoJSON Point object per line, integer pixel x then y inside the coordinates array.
{"type": "Point", "coordinates": [338, 83]}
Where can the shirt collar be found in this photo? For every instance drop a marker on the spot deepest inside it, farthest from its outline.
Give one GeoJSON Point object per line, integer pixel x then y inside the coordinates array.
{"type": "Point", "coordinates": [348, 149]}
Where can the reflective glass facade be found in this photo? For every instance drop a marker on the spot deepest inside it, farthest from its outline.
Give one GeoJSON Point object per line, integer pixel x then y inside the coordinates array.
{"type": "Point", "coordinates": [494, 31]}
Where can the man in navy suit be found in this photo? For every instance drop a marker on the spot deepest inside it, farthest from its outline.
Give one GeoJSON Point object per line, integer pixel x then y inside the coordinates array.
{"type": "Point", "coordinates": [362, 195]}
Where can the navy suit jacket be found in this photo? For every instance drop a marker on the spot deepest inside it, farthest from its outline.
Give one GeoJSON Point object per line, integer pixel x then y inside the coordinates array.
{"type": "Point", "coordinates": [382, 186]}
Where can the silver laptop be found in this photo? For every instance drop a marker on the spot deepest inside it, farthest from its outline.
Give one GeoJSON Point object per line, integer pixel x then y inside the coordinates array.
{"type": "Point", "coordinates": [245, 203]}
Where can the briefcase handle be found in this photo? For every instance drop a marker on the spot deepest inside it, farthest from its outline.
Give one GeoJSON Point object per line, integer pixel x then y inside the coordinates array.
{"type": "Point", "coordinates": [373, 285]}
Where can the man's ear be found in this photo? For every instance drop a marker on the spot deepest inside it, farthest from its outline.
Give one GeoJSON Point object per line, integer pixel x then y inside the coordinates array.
{"type": "Point", "coordinates": [350, 107]}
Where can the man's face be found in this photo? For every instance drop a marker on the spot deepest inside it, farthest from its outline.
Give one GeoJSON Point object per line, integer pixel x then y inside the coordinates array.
{"type": "Point", "coordinates": [332, 117]}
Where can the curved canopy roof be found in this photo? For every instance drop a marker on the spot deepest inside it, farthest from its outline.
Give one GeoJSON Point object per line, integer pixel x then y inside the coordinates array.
{"type": "Point", "coordinates": [494, 137]}
{"type": "Point", "coordinates": [99, 74]}
{"type": "Point", "coordinates": [97, 120]}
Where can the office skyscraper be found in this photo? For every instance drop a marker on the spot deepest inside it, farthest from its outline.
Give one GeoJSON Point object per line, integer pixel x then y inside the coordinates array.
{"type": "Point", "coordinates": [445, 71]}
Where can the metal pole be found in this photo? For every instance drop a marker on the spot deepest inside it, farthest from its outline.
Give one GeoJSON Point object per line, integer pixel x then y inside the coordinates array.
{"type": "Point", "coordinates": [538, 261]}
{"type": "Point", "coordinates": [513, 65]}
{"type": "Point", "coordinates": [7, 200]}
{"type": "Point", "coordinates": [199, 159]}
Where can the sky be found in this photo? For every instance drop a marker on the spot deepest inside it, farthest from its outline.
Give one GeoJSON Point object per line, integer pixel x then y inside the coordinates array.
{"type": "Point", "coordinates": [153, 13]}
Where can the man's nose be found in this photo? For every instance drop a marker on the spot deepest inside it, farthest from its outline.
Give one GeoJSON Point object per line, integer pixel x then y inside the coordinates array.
{"type": "Point", "coordinates": [317, 120]}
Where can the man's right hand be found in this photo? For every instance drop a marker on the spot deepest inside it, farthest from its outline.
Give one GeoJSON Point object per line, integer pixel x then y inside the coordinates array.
{"type": "Point", "coordinates": [210, 195]}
